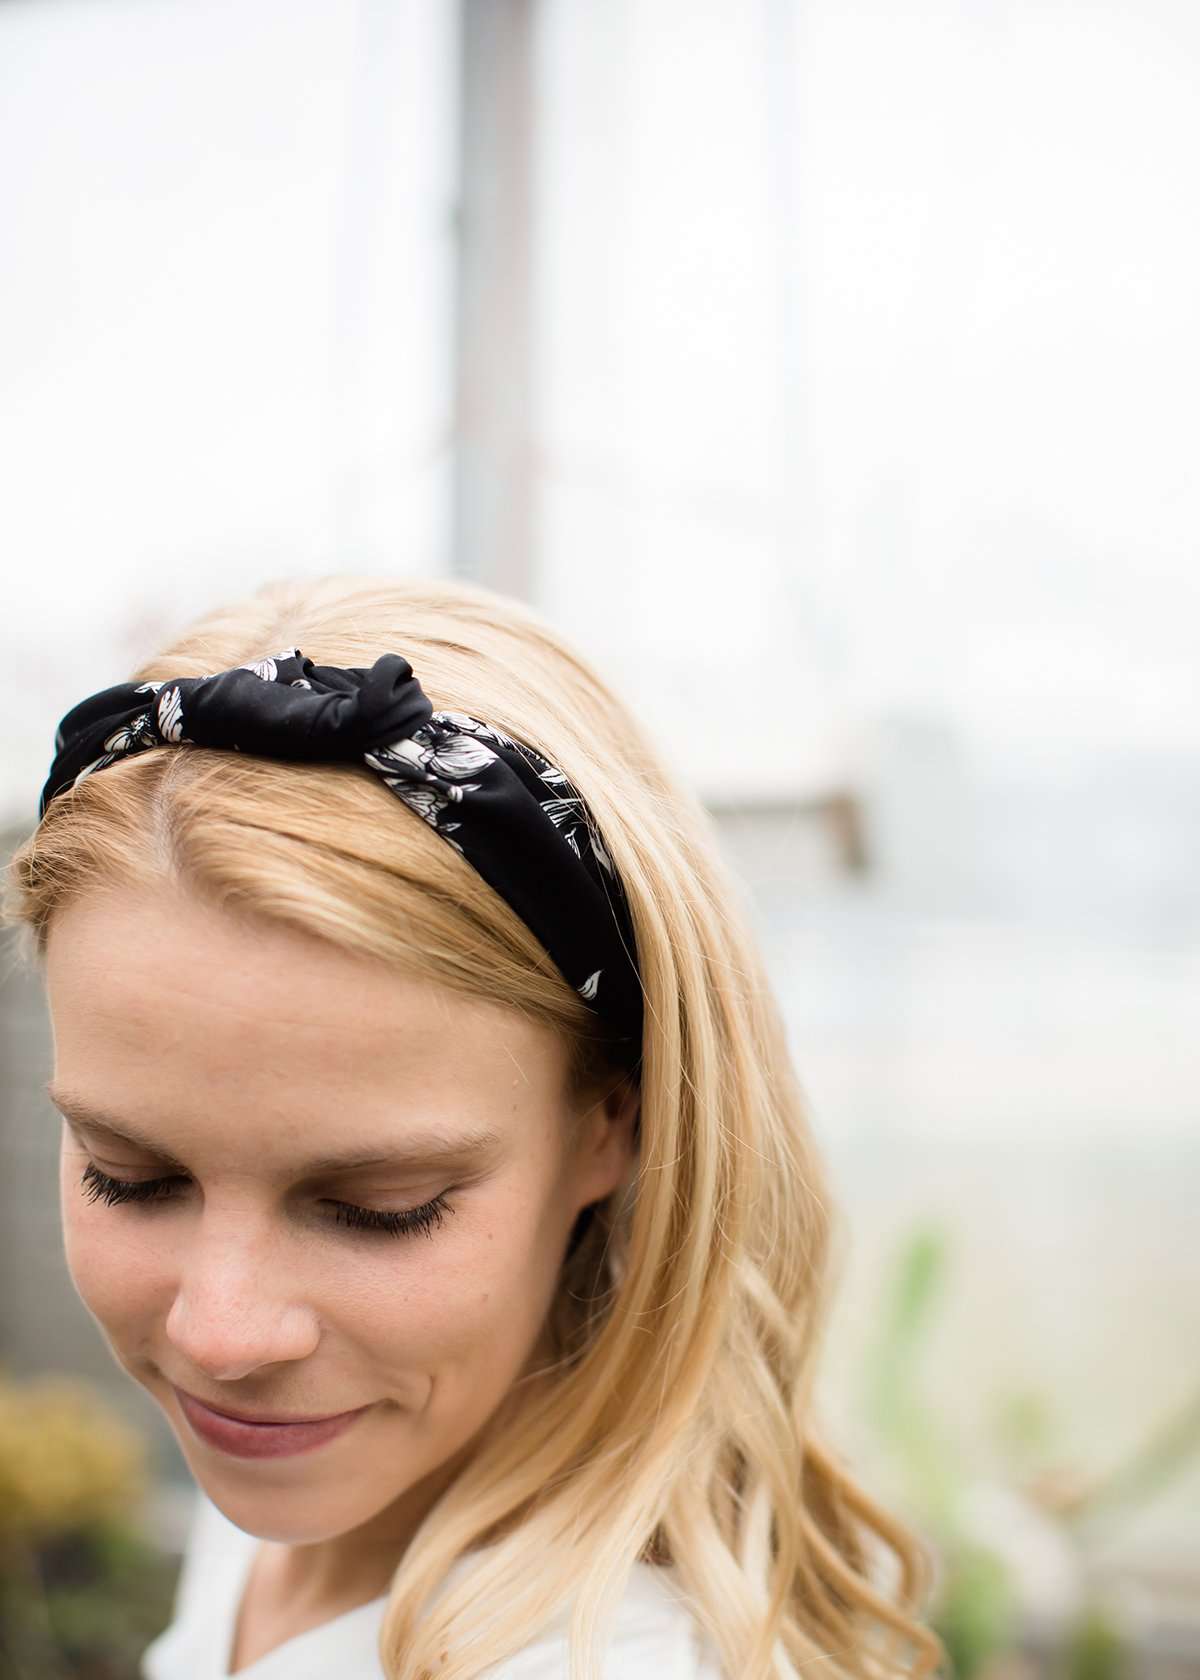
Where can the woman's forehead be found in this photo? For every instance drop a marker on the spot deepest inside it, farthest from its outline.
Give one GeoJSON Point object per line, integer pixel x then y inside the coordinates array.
{"type": "Point", "coordinates": [164, 986]}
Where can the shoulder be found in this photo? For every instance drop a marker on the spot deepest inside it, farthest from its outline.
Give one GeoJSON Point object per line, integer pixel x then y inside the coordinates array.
{"type": "Point", "coordinates": [655, 1636]}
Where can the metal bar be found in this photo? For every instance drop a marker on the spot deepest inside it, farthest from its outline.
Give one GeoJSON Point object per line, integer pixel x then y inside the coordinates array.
{"type": "Point", "coordinates": [493, 516]}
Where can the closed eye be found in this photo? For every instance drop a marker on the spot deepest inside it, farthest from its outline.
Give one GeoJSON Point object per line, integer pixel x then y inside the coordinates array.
{"type": "Point", "coordinates": [99, 1186]}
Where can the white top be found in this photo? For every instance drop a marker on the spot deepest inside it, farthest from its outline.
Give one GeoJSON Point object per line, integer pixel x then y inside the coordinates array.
{"type": "Point", "coordinates": [654, 1637]}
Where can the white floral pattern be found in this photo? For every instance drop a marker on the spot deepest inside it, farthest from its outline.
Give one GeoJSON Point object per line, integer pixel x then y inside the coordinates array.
{"type": "Point", "coordinates": [170, 715]}
{"type": "Point", "coordinates": [599, 853]}
{"type": "Point", "coordinates": [569, 816]}
{"type": "Point", "coordinates": [472, 726]}
{"type": "Point", "coordinates": [427, 802]}
{"type": "Point", "coordinates": [443, 752]}
{"type": "Point", "coordinates": [425, 771]}
{"type": "Point", "coordinates": [460, 755]}
{"type": "Point", "coordinates": [268, 669]}
{"type": "Point", "coordinates": [130, 736]}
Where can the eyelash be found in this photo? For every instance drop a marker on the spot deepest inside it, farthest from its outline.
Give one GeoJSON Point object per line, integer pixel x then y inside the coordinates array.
{"type": "Point", "coordinates": [98, 1185]}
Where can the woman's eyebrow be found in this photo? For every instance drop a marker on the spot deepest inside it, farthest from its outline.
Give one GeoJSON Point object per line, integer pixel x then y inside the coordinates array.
{"type": "Point", "coordinates": [416, 1149]}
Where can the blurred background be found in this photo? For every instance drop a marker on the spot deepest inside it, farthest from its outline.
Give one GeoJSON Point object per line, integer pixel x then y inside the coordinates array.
{"type": "Point", "coordinates": [827, 371]}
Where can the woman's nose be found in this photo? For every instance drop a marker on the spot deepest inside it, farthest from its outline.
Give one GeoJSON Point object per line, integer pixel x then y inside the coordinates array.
{"type": "Point", "coordinates": [233, 1311]}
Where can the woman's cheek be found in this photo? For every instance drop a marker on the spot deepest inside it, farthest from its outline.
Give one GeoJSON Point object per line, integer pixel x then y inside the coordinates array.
{"type": "Point", "coordinates": [432, 1296]}
{"type": "Point", "coordinates": [468, 1296]}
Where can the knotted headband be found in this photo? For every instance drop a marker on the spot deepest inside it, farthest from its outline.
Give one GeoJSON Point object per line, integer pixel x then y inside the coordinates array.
{"type": "Point", "coordinates": [514, 816]}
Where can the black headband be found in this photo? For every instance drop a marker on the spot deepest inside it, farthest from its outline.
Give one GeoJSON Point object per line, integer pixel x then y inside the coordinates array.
{"type": "Point", "coordinates": [512, 815]}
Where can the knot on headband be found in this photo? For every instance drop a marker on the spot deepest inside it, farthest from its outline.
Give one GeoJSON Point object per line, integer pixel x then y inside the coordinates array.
{"type": "Point", "coordinates": [512, 814]}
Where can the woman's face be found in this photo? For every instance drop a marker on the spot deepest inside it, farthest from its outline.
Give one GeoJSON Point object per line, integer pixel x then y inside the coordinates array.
{"type": "Point", "coordinates": [233, 1059]}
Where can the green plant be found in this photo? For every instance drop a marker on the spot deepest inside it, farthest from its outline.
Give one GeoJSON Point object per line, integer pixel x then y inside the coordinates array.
{"type": "Point", "coordinates": [979, 1610]}
{"type": "Point", "coordinates": [82, 1592]}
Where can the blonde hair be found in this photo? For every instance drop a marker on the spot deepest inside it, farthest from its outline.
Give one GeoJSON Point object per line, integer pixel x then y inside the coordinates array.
{"type": "Point", "coordinates": [675, 1425]}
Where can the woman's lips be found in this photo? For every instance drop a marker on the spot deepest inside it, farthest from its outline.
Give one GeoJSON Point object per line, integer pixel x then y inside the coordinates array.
{"type": "Point", "coordinates": [261, 1440]}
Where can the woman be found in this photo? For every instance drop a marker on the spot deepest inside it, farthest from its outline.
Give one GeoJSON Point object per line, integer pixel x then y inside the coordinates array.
{"type": "Point", "coordinates": [432, 1156]}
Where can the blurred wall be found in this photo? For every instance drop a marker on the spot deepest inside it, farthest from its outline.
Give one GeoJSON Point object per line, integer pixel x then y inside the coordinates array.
{"type": "Point", "coordinates": [865, 376]}
{"type": "Point", "coordinates": [228, 312]}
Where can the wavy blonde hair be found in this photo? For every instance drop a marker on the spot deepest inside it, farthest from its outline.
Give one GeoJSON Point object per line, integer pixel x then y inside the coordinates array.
{"type": "Point", "coordinates": [675, 1423]}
